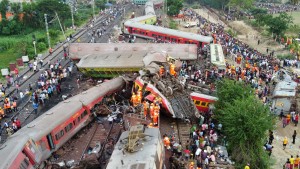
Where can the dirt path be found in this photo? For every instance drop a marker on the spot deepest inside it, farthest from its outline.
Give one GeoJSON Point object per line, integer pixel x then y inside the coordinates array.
{"type": "Point", "coordinates": [250, 36]}
{"type": "Point", "coordinates": [279, 156]}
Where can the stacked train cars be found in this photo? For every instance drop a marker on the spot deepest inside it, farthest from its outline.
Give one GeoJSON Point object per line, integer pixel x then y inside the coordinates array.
{"type": "Point", "coordinates": [35, 142]}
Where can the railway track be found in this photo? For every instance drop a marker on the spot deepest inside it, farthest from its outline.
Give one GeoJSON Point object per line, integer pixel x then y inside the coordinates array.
{"type": "Point", "coordinates": [26, 110]}
{"type": "Point", "coordinates": [91, 147]}
{"type": "Point", "coordinates": [182, 129]}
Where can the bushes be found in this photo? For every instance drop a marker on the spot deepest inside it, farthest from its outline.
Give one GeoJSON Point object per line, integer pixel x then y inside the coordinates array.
{"type": "Point", "coordinates": [7, 43]}
{"type": "Point", "coordinates": [54, 33]}
{"type": "Point", "coordinates": [41, 46]}
{"type": "Point", "coordinates": [286, 56]}
{"type": "Point", "coordinates": [173, 25]}
{"type": "Point", "coordinates": [231, 32]}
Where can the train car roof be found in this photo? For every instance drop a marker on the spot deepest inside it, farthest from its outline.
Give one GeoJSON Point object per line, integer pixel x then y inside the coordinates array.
{"type": "Point", "coordinates": [94, 95]}
{"type": "Point", "coordinates": [217, 56]}
{"type": "Point", "coordinates": [11, 149]}
{"type": "Point", "coordinates": [49, 120]}
{"type": "Point", "coordinates": [144, 17]}
{"type": "Point", "coordinates": [162, 30]}
{"type": "Point", "coordinates": [149, 10]}
{"type": "Point", "coordinates": [176, 51]}
{"type": "Point", "coordinates": [114, 60]}
{"type": "Point", "coordinates": [142, 159]}
{"type": "Point", "coordinates": [203, 96]}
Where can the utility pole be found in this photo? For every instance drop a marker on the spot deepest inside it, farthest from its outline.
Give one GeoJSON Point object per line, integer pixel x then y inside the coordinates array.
{"type": "Point", "coordinates": [46, 23]}
{"type": "Point", "coordinates": [60, 25]}
{"type": "Point", "coordinates": [93, 5]}
{"type": "Point", "coordinates": [72, 14]}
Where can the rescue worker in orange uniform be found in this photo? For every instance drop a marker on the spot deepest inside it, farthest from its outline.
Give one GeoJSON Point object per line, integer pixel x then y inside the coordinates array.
{"type": "Point", "coordinates": [239, 59]}
{"type": "Point", "coordinates": [155, 114]}
{"type": "Point", "coordinates": [191, 165]}
{"type": "Point", "coordinates": [139, 97]}
{"type": "Point", "coordinates": [2, 115]}
{"type": "Point", "coordinates": [155, 118]}
{"type": "Point", "coordinates": [139, 93]}
{"type": "Point", "coordinates": [14, 105]}
{"type": "Point", "coordinates": [172, 70]}
{"type": "Point", "coordinates": [161, 71]}
{"type": "Point", "coordinates": [145, 107]}
{"type": "Point", "coordinates": [167, 142]}
{"type": "Point", "coordinates": [151, 110]}
{"type": "Point", "coordinates": [134, 99]}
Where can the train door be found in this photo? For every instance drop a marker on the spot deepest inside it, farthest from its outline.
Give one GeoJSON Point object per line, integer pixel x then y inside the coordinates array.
{"type": "Point", "coordinates": [130, 30]}
{"type": "Point", "coordinates": [32, 152]}
{"type": "Point", "coordinates": [50, 142]}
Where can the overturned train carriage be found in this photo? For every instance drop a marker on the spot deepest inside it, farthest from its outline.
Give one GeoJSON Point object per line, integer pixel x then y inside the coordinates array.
{"type": "Point", "coordinates": [35, 142]}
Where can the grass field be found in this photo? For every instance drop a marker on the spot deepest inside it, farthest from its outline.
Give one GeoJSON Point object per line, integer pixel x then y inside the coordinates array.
{"type": "Point", "coordinates": [295, 15]}
{"type": "Point", "coordinates": [15, 46]}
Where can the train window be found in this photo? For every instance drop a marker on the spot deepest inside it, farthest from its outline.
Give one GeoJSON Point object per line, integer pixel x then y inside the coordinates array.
{"type": "Point", "coordinates": [197, 102]}
{"type": "Point", "coordinates": [59, 135]}
{"type": "Point", "coordinates": [78, 119]}
{"type": "Point", "coordinates": [74, 122]}
{"type": "Point", "coordinates": [203, 103]}
{"type": "Point", "coordinates": [68, 127]}
{"type": "Point", "coordinates": [24, 164]}
{"type": "Point", "coordinates": [83, 114]}
{"type": "Point", "coordinates": [43, 145]}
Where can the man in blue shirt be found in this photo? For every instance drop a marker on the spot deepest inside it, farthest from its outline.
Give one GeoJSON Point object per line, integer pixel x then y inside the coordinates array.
{"type": "Point", "coordinates": [35, 107]}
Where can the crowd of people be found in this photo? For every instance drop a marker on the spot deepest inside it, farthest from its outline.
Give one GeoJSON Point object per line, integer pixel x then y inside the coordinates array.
{"type": "Point", "coordinates": [244, 64]}
{"type": "Point", "coordinates": [201, 149]}
{"type": "Point", "coordinates": [48, 84]}
{"type": "Point", "coordinates": [278, 8]}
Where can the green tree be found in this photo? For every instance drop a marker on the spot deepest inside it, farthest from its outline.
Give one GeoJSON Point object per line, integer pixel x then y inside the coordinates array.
{"type": "Point", "coordinates": [294, 2]}
{"type": "Point", "coordinates": [263, 19]}
{"type": "Point", "coordinates": [258, 11]}
{"type": "Point", "coordinates": [31, 18]}
{"type": "Point", "coordinates": [278, 25]}
{"type": "Point", "coordinates": [218, 4]}
{"type": "Point", "coordinates": [174, 7]}
{"type": "Point", "coordinates": [49, 7]}
{"type": "Point", "coordinates": [245, 123]}
{"type": "Point", "coordinates": [100, 4]}
{"type": "Point", "coordinates": [3, 8]}
{"type": "Point", "coordinates": [230, 90]}
{"type": "Point", "coordinates": [295, 48]}
{"type": "Point", "coordinates": [241, 4]}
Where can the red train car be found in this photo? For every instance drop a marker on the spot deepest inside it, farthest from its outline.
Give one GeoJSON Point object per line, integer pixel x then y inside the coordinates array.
{"type": "Point", "coordinates": [139, 84]}
{"type": "Point", "coordinates": [134, 27]}
{"type": "Point", "coordinates": [202, 101]}
{"type": "Point", "coordinates": [35, 142]}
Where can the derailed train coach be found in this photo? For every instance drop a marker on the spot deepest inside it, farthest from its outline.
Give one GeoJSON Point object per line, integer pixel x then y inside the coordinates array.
{"type": "Point", "coordinates": [35, 142]}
